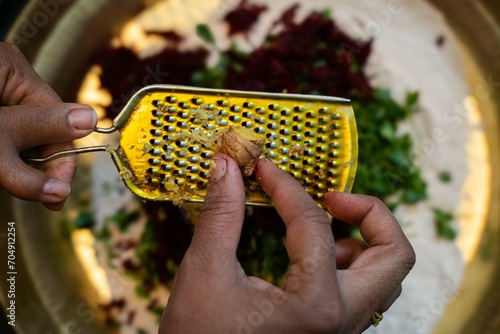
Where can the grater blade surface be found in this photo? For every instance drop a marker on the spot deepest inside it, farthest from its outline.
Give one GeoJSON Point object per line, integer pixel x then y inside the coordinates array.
{"type": "Point", "coordinates": [167, 135]}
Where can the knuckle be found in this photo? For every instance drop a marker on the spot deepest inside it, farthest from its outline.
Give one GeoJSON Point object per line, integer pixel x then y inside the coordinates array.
{"type": "Point", "coordinates": [408, 257]}
{"type": "Point", "coordinates": [399, 290]}
{"type": "Point", "coordinates": [405, 256]}
{"type": "Point", "coordinates": [376, 204]}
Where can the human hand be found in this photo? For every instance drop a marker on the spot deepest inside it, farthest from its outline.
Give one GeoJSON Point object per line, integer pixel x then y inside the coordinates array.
{"type": "Point", "coordinates": [212, 293]}
{"type": "Point", "coordinates": [33, 117]}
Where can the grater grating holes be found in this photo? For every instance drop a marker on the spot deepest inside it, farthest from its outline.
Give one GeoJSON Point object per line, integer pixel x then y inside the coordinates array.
{"type": "Point", "coordinates": [291, 130]}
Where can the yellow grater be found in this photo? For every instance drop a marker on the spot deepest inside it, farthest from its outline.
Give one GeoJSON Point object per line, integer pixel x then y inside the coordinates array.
{"type": "Point", "coordinates": [165, 154]}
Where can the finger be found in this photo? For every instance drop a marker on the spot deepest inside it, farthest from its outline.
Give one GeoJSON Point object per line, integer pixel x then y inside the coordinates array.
{"type": "Point", "coordinates": [347, 251]}
{"type": "Point", "coordinates": [378, 227]}
{"type": "Point", "coordinates": [28, 126]}
{"type": "Point", "coordinates": [62, 169]}
{"type": "Point", "coordinates": [19, 83]}
{"type": "Point", "coordinates": [33, 125]}
{"type": "Point", "coordinates": [28, 183]}
{"type": "Point", "coordinates": [309, 235]}
{"type": "Point", "coordinates": [379, 270]}
{"type": "Point", "coordinates": [218, 230]}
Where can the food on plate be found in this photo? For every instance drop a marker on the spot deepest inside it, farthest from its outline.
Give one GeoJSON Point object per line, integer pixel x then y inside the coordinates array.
{"type": "Point", "coordinates": [305, 56]}
{"type": "Point", "coordinates": [301, 49]}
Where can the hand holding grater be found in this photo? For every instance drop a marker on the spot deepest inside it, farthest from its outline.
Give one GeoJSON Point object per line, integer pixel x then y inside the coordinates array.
{"type": "Point", "coordinates": [168, 136]}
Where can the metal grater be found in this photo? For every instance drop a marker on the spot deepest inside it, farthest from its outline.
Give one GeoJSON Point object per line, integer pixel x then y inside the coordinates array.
{"type": "Point", "coordinates": [165, 152]}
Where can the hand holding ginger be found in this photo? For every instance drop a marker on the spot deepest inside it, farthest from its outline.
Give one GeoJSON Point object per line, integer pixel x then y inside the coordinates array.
{"type": "Point", "coordinates": [212, 293]}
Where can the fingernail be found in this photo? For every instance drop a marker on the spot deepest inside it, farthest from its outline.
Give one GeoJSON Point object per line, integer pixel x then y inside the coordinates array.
{"type": "Point", "coordinates": [219, 170]}
{"type": "Point", "coordinates": [83, 118]}
{"type": "Point", "coordinates": [56, 189]}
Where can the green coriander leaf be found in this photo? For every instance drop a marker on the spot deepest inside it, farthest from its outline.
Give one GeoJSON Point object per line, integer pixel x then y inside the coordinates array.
{"type": "Point", "coordinates": [327, 13]}
{"type": "Point", "coordinates": [103, 234]}
{"type": "Point", "coordinates": [443, 222]}
{"type": "Point", "coordinates": [84, 219]}
{"type": "Point", "coordinates": [445, 177]}
{"type": "Point", "coordinates": [124, 219]}
{"type": "Point", "coordinates": [388, 131]}
{"type": "Point", "coordinates": [205, 34]}
{"type": "Point", "coordinates": [142, 292]}
{"type": "Point", "coordinates": [157, 310]}
{"type": "Point", "coordinates": [320, 63]}
{"type": "Point", "coordinates": [412, 99]}
{"type": "Point", "coordinates": [112, 324]}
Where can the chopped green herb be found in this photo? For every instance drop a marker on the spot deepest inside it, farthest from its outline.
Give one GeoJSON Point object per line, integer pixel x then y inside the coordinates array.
{"type": "Point", "coordinates": [142, 292]}
{"type": "Point", "coordinates": [327, 13]}
{"type": "Point", "coordinates": [102, 234]}
{"type": "Point", "coordinates": [124, 219]}
{"type": "Point", "coordinates": [388, 131]}
{"type": "Point", "coordinates": [158, 310]}
{"type": "Point", "coordinates": [445, 177]}
{"type": "Point", "coordinates": [211, 77]}
{"type": "Point", "coordinates": [84, 219]}
{"type": "Point", "coordinates": [205, 34]}
{"type": "Point", "coordinates": [112, 324]}
{"type": "Point", "coordinates": [443, 222]}
{"type": "Point", "coordinates": [412, 99]}
{"type": "Point", "coordinates": [320, 63]}
{"type": "Point", "coordinates": [385, 166]}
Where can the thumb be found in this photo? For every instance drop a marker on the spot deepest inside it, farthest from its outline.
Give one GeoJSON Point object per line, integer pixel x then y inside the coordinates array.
{"type": "Point", "coordinates": [218, 231]}
{"type": "Point", "coordinates": [44, 127]}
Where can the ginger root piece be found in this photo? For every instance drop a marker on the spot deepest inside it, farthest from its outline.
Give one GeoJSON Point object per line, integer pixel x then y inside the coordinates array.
{"type": "Point", "coordinates": [243, 145]}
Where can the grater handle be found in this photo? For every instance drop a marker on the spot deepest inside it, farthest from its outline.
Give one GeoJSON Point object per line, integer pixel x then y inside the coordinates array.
{"type": "Point", "coordinates": [106, 130]}
{"type": "Point", "coordinates": [74, 151]}
{"type": "Point", "coordinates": [66, 153]}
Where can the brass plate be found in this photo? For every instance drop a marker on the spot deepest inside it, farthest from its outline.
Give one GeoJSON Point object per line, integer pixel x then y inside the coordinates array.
{"type": "Point", "coordinates": [52, 296]}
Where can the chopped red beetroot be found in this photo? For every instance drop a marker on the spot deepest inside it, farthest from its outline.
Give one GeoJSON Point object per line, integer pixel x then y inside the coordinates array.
{"type": "Point", "coordinates": [130, 317]}
{"type": "Point", "coordinates": [124, 73]}
{"type": "Point", "coordinates": [311, 57]}
{"type": "Point", "coordinates": [152, 303]}
{"type": "Point", "coordinates": [243, 17]}
{"type": "Point", "coordinates": [288, 17]}
{"type": "Point", "coordinates": [118, 304]}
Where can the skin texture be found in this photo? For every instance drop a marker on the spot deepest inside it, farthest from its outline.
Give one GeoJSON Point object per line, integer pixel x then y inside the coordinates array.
{"type": "Point", "coordinates": [212, 293]}
{"type": "Point", "coordinates": [34, 121]}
